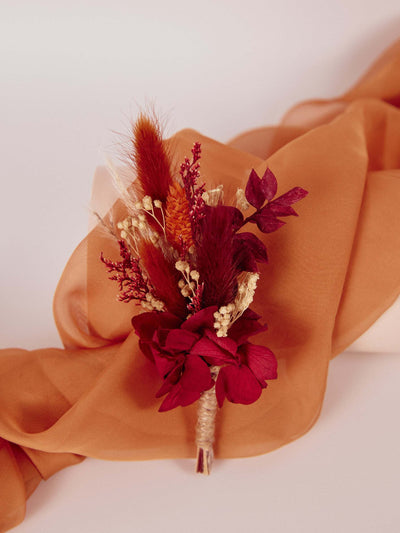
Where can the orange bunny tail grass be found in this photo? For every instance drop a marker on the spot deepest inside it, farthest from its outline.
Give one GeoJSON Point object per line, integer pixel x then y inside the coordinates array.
{"type": "Point", "coordinates": [177, 218]}
{"type": "Point", "coordinates": [164, 278]}
{"type": "Point", "coordinates": [150, 159]}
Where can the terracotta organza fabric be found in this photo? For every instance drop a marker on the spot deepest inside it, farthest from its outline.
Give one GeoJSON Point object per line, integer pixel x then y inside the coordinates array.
{"type": "Point", "coordinates": [332, 272]}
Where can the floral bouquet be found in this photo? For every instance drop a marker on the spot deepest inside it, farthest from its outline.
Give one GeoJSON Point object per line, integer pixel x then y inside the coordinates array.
{"type": "Point", "coordinates": [186, 259]}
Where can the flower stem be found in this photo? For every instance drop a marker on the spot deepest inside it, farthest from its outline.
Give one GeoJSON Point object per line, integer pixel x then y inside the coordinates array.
{"type": "Point", "coordinates": [205, 429]}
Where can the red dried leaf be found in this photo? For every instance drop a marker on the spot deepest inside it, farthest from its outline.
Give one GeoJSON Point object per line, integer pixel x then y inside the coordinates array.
{"type": "Point", "coordinates": [259, 190]}
{"type": "Point", "coordinates": [282, 210]}
{"type": "Point", "coordinates": [252, 251]}
{"type": "Point", "coordinates": [290, 197]}
{"type": "Point", "coordinates": [266, 220]}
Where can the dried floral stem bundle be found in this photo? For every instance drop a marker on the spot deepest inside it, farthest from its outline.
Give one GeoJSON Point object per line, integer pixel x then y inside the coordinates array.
{"type": "Point", "coordinates": [187, 261]}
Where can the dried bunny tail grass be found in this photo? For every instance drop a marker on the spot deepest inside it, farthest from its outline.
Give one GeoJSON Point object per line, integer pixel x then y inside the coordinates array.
{"type": "Point", "coordinates": [217, 260]}
{"type": "Point", "coordinates": [107, 226]}
{"type": "Point", "coordinates": [149, 157]}
{"type": "Point", "coordinates": [177, 217]}
{"type": "Point", "coordinates": [163, 277]}
{"type": "Point", "coordinates": [129, 198]}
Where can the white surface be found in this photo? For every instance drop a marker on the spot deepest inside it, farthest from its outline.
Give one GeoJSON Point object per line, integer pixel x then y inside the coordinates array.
{"type": "Point", "coordinates": [343, 476]}
{"type": "Point", "coordinates": [73, 72]}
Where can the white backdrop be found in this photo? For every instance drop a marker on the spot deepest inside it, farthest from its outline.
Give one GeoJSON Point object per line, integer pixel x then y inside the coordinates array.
{"type": "Point", "coordinates": [72, 73]}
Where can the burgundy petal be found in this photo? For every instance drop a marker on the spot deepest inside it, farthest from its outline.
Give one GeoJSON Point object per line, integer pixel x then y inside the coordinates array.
{"type": "Point", "coordinates": [201, 320]}
{"type": "Point", "coordinates": [179, 340]}
{"type": "Point", "coordinates": [178, 396]}
{"type": "Point", "coordinates": [212, 353]}
{"type": "Point", "coordinates": [238, 384]}
{"type": "Point", "coordinates": [196, 375]}
{"type": "Point", "coordinates": [160, 336]}
{"type": "Point", "coordinates": [165, 387]}
{"type": "Point", "coordinates": [261, 361]}
{"type": "Point", "coordinates": [223, 342]}
{"type": "Point", "coordinates": [146, 349]}
{"type": "Point", "coordinates": [165, 363]}
{"type": "Point", "coordinates": [170, 380]}
{"type": "Point", "coordinates": [245, 327]}
{"type": "Point", "coordinates": [146, 323]}
{"type": "Point", "coordinates": [251, 315]}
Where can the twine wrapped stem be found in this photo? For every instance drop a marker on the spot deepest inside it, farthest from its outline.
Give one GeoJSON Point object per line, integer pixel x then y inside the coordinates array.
{"type": "Point", "coordinates": [205, 429]}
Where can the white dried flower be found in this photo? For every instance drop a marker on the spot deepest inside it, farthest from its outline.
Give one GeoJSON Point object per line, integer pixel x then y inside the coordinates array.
{"type": "Point", "coordinates": [214, 196]}
{"type": "Point", "coordinates": [182, 266]}
{"type": "Point", "coordinates": [158, 203]}
{"type": "Point", "coordinates": [147, 203]}
{"type": "Point", "coordinates": [241, 201]}
{"type": "Point", "coordinates": [138, 205]}
{"type": "Point", "coordinates": [185, 291]}
{"type": "Point", "coordinates": [119, 225]}
{"type": "Point", "coordinates": [123, 234]}
{"type": "Point", "coordinates": [205, 196]}
{"type": "Point", "coordinates": [195, 275]}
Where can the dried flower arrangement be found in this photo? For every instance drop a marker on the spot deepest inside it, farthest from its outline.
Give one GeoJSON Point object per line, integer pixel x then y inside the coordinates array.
{"type": "Point", "coordinates": [187, 262]}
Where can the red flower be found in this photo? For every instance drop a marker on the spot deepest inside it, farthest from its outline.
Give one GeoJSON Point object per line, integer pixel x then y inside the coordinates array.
{"type": "Point", "coordinates": [183, 352]}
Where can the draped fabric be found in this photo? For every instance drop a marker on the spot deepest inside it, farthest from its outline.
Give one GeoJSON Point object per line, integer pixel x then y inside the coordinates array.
{"type": "Point", "coordinates": [332, 272]}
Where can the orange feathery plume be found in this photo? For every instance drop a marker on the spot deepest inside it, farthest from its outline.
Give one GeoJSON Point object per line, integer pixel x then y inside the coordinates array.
{"type": "Point", "coordinates": [150, 158]}
{"type": "Point", "coordinates": [177, 219]}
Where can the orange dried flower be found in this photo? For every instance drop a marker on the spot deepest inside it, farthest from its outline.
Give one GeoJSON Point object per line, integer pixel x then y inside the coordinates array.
{"type": "Point", "coordinates": [177, 219]}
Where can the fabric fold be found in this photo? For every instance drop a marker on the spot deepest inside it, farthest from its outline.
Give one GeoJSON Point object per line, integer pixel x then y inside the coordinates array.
{"type": "Point", "coordinates": [330, 277]}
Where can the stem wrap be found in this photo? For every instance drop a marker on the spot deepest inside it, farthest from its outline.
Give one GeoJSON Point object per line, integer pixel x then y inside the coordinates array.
{"type": "Point", "coordinates": [205, 429]}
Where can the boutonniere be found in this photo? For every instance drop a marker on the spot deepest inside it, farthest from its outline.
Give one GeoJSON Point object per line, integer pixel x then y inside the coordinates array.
{"type": "Point", "coordinates": [190, 259]}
